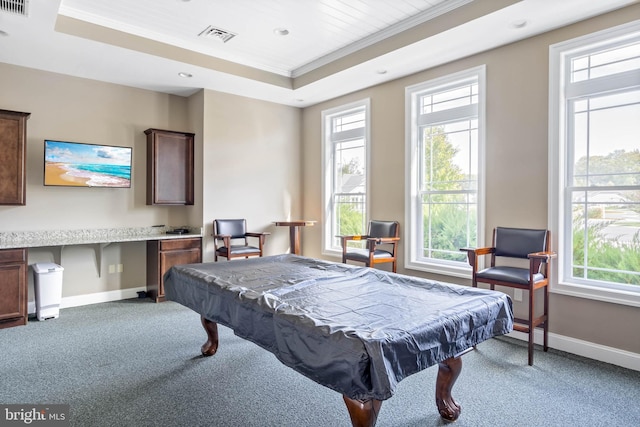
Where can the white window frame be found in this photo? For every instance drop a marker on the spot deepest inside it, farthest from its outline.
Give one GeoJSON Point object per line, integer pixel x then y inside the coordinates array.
{"type": "Point", "coordinates": [328, 166]}
{"type": "Point", "coordinates": [413, 212]}
{"type": "Point", "coordinates": [559, 92]}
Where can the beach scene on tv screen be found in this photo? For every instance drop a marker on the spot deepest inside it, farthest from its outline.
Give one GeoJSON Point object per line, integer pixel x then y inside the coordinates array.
{"type": "Point", "coordinates": [87, 165]}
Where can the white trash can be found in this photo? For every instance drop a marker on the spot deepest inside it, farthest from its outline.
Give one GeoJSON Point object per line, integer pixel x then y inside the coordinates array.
{"type": "Point", "coordinates": [47, 282]}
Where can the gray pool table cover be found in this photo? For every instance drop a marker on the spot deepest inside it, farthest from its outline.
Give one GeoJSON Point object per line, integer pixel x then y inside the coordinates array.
{"type": "Point", "coordinates": [356, 330]}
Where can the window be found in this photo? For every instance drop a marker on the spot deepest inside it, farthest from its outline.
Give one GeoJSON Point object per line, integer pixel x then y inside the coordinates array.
{"type": "Point", "coordinates": [595, 164]}
{"type": "Point", "coordinates": [345, 136]}
{"type": "Point", "coordinates": [444, 166]}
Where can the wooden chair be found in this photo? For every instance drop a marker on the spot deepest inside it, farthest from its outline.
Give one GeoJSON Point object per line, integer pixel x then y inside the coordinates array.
{"type": "Point", "coordinates": [523, 244]}
{"type": "Point", "coordinates": [382, 241]}
{"type": "Point", "coordinates": [228, 232]}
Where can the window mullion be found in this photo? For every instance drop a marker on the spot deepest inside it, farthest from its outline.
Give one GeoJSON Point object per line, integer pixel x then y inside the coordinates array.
{"type": "Point", "coordinates": [616, 82]}
{"type": "Point", "coordinates": [466, 112]}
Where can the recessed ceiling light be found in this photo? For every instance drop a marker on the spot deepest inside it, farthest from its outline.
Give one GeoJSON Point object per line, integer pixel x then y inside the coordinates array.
{"type": "Point", "coordinates": [185, 75]}
{"type": "Point", "coordinates": [520, 23]}
{"type": "Point", "coordinates": [280, 31]}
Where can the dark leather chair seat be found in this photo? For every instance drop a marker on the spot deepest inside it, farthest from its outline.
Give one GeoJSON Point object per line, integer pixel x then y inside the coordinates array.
{"type": "Point", "coordinates": [507, 274]}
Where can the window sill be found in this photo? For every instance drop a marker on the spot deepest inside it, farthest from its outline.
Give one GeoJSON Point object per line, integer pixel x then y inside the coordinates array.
{"type": "Point", "coordinates": [444, 270]}
{"type": "Point", "coordinates": [613, 296]}
{"type": "Point", "coordinates": [332, 253]}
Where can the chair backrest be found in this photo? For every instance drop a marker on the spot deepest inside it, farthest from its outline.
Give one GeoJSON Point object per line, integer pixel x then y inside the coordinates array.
{"type": "Point", "coordinates": [236, 228]}
{"type": "Point", "coordinates": [519, 242]}
{"type": "Point", "coordinates": [383, 229]}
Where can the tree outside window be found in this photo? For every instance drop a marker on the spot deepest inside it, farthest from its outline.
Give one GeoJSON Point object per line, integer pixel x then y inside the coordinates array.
{"type": "Point", "coordinates": [444, 171]}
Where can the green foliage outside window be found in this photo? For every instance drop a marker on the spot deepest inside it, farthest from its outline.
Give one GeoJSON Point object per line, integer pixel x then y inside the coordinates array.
{"type": "Point", "coordinates": [351, 219]}
{"type": "Point", "coordinates": [351, 208]}
{"type": "Point", "coordinates": [618, 168]}
{"type": "Point", "coordinates": [603, 253]}
{"type": "Point", "coordinates": [448, 223]}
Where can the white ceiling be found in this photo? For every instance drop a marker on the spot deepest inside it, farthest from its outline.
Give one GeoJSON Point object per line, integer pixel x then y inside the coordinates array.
{"type": "Point", "coordinates": [333, 46]}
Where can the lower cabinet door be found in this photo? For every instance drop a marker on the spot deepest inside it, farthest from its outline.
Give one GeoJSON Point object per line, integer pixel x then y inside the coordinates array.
{"type": "Point", "coordinates": [164, 254]}
{"type": "Point", "coordinates": [171, 258]}
{"type": "Point", "coordinates": [13, 291]}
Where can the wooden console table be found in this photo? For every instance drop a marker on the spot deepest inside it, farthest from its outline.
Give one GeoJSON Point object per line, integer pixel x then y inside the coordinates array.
{"type": "Point", "coordinates": [294, 232]}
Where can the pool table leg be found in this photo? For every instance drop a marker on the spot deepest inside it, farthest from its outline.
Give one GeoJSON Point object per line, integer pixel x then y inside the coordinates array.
{"type": "Point", "coordinates": [211, 328]}
{"type": "Point", "coordinates": [448, 371]}
{"type": "Point", "coordinates": [363, 413]}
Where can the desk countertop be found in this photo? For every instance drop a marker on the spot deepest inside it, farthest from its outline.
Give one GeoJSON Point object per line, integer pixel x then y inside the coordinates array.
{"type": "Point", "coordinates": [45, 238]}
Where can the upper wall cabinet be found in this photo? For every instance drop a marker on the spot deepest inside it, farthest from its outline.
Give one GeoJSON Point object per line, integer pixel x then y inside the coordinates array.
{"type": "Point", "coordinates": [169, 167]}
{"type": "Point", "coordinates": [13, 157]}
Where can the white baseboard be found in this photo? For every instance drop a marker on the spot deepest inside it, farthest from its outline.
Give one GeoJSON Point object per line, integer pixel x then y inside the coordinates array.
{"type": "Point", "coordinates": [603, 353]}
{"type": "Point", "coordinates": [79, 300]}
{"type": "Point", "coordinates": [99, 297]}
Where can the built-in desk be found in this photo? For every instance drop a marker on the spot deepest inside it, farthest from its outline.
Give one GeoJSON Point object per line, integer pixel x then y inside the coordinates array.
{"type": "Point", "coordinates": [163, 251]}
{"type": "Point", "coordinates": [99, 238]}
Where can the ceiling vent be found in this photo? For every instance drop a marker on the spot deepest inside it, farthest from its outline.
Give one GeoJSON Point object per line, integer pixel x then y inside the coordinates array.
{"type": "Point", "coordinates": [18, 7]}
{"type": "Point", "coordinates": [212, 32]}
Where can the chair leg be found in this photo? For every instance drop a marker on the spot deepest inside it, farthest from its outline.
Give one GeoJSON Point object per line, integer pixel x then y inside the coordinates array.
{"type": "Point", "coordinates": [474, 284]}
{"type": "Point", "coordinates": [530, 323]}
{"type": "Point", "coordinates": [546, 319]}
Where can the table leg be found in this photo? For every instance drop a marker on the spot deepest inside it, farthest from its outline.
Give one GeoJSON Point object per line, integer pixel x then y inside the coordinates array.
{"type": "Point", "coordinates": [294, 239]}
{"type": "Point", "coordinates": [448, 371]}
{"type": "Point", "coordinates": [211, 328]}
{"type": "Point", "coordinates": [363, 414]}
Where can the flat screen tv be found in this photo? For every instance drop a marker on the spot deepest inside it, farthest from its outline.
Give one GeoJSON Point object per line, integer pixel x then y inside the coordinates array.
{"type": "Point", "coordinates": [86, 165]}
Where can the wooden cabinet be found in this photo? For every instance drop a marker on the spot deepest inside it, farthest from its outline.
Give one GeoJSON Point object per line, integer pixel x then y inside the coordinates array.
{"type": "Point", "coordinates": [13, 287]}
{"type": "Point", "coordinates": [169, 167]}
{"type": "Point", "coordinates": [13, 157]}
{"type": "Point", "coordinates": [164, 254]}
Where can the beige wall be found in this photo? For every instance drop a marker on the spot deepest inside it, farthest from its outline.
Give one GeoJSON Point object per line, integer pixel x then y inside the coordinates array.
{"type": "Point", "coordinates": [247, 164]}
{"type": "Point", "coordinates": [71, 109]}
{"type": "Point", "coordinates": [251, 166]}
{"type": "Point", "coordinates": [516, 164]}
{"type": "Point", "coordinates": [81, 110]}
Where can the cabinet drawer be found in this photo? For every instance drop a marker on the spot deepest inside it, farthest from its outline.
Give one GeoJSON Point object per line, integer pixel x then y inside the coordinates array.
{"type": "Point", "coordinates": [13, 256]}
{"type": "Point", "coordinates": [177, 244]}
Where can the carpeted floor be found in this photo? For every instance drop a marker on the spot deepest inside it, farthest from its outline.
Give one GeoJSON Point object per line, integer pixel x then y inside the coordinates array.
{"type": "Point", "coordinates": [136, 363]}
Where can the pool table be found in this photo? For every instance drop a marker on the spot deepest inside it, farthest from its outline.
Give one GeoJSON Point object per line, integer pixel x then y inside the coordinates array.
{"type": "Point", "coordinates": [356, 330]}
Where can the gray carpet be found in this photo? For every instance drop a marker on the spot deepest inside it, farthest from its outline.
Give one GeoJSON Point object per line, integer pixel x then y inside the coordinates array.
{"type": "Point", "coordinates": [136, 363]}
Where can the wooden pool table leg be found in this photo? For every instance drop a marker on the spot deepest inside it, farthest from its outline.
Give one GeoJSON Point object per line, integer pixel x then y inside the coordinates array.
{"type": "Point", "coordinates": [448, 371]}
{"type": "Point", "coordinates": [363, 413]}
{"type": "Point", "coordinates": [211, 328]}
